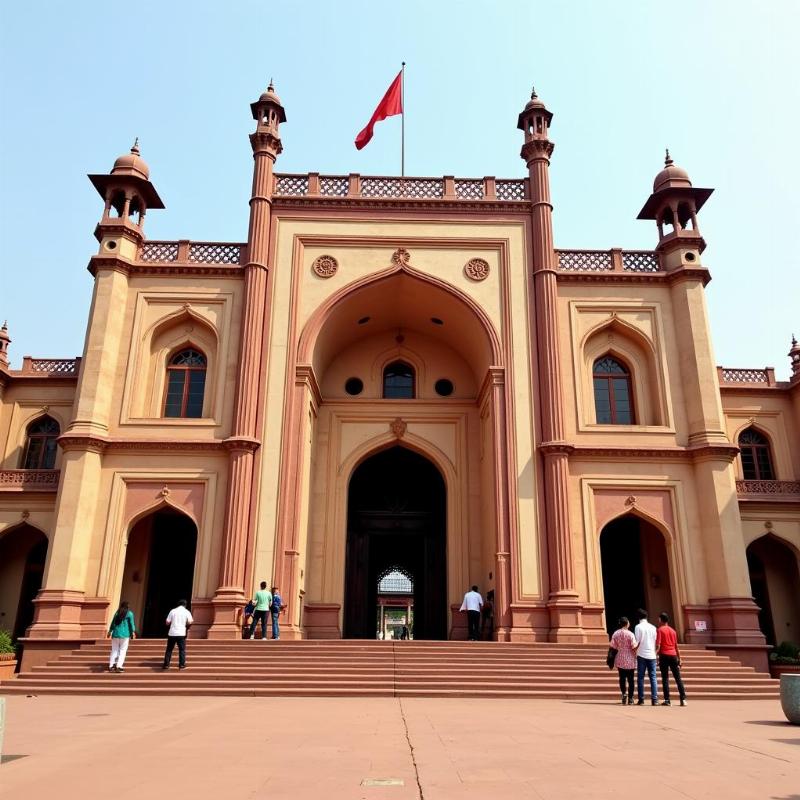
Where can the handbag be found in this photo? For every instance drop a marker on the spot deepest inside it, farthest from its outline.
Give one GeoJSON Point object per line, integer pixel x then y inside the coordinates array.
{"type": "Point", "coordinates": [611, 657]}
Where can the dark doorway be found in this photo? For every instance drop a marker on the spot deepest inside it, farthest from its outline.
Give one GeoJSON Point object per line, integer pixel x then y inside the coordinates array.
{"type": "Point", "coordinates": [635, 570]}
{"type": "Point", "coordinates": [161, 554]}
{"type": "Point", "coordinates": [396, 520]}
{"type": "Point", "coordinates": [23, 551]}
{"type": "Point", "coordinates": [774, 581]}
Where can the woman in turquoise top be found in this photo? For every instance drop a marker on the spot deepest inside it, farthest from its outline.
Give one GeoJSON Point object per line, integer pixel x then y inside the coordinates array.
{"type": "Point", "coordinates": [121, 631]}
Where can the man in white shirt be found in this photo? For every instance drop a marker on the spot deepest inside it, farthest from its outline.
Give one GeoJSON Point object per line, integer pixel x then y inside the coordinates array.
{"type": "Point", "coordinates": [472, 604]}
{"type": "Point", "coordinates": [179, 620]}
{"type": "Point", "coordinates": [645, 634]}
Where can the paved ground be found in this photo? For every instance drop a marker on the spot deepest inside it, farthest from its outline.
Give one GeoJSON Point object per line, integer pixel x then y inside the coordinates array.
{"type": "Point", "coordinates": [290, 749]}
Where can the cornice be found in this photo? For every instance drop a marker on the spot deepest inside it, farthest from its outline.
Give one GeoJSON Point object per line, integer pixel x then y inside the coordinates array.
{"type": "Point", "coordinates": [724, 452]}
{"type": "Point", "coordinates": [167, 268]}
{"type": "Point", "coordinates": [406, 203]}
{"type": "Point", "coordinates": [241, 444]}
{"type": "Point", "coordinates": [101, 444]}
{"type": "Point", "coordinates": [556, 448]}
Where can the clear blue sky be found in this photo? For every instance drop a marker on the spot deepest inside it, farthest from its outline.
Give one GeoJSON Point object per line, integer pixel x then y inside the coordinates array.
{"type": "Point", "coordinates": [715, 81]}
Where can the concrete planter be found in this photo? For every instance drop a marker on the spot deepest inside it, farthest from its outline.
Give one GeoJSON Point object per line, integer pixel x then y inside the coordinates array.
{"type": "Point", "coordinates": [776, 670]}
{"type": "Point", "coordinates": [790, 697]}
{"type": "Point", "coordinates": [8, 666]}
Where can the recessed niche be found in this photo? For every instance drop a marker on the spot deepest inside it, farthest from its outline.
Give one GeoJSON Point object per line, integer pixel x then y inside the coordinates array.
{"type": "Point", "coordinates": [354, 386]}
{"type": "Point", "coordinates": [364, 320]}
{"type": "Point", "coordinates": [437, 321]}
{"type": "Point", "coordinates": [443, 387]}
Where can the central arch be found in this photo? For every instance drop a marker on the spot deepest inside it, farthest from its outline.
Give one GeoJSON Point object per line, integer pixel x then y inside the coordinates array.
{"type": "Point", "coordinates": [396, 522]}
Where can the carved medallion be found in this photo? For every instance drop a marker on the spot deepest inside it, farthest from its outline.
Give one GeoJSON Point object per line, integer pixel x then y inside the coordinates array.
{"type": "Point", "coordinates": [401, 258]}
{"type": "Point", "coordinates": [477, 269]}
{"type": "Point", "coordinates": [165, 492]}
{"type": "Point", "coordinates": [325, 266]}
{"type": "Point", "coordinates": [630, 500]}
{"type": "Point", "coordinates": [398, 427]}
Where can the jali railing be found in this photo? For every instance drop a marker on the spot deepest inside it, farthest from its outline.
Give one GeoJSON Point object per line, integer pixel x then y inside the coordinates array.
{"type": "Point", "coordinates": [31, 480]}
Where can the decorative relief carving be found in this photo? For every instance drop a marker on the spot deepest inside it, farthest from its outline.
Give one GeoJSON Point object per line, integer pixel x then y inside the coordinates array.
{"type": "Point", "coordinates": [325, 266]}
{"type": "Point", "coordinates": [398, 427]}
{"type": "Point", "coordinates": [25, 514]}
{"type": "Point", "coordinates": [401, 258]}
{"type": "Point", "coordinates": [477, 269]}
{"type": "Point", "coordinates": [630, 500]}
{"type": "Point", "coordinates": [165, 491]}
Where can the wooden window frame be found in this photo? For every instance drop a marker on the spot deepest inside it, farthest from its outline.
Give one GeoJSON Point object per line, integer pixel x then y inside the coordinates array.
{"type": "Point", "coordinates": [186, 369]}
{"type": "Point", "coordinates": [754, 448]}
{"type": "Point", "coordinates": [608, 378]}
{"type": "Point", "coordinates": [44, 437]}
{"type": "Point", "coordinates": [413, 380]}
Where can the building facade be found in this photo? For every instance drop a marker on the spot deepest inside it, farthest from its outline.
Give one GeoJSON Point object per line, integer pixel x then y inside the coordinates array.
{"type": "Point", "coordinates": [399, 381]}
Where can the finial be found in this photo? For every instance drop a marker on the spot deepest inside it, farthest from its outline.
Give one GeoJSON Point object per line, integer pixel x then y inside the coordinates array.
{"type": "Point", "coordinates": [5, 328]}
{"type": "Point", "coordinates": [668, 160]}
{"type": "Point", "coordinates": [271, 87]}
{"type": "Point", "coordinates": [533, 93]}
{"type": "Point", "coordinates": [794, 341]}
{"type": "Point", "coordinates": [135, 148]}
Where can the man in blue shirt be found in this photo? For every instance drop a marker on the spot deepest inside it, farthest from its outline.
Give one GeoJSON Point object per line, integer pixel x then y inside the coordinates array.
{"type": "Point", "coordinates": [275, 610]}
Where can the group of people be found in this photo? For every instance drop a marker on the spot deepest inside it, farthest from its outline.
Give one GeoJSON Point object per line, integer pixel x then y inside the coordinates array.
{"type": "Point", "coordinates": [123, 626]}
{"type": "Point", "coordinates": [639, 651]}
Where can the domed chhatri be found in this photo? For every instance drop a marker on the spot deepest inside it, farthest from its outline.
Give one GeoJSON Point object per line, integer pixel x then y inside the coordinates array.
{"type": "Point", "coordinates": [132, 164]}
{"type": "Point", "coordinates": [671, 177]}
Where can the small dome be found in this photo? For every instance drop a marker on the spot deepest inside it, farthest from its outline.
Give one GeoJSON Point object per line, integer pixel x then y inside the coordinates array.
{"type": "Point", "coordinates": [270, 95]}
{"type": "Point", "coordinates": [671, 177]}
{"type": "Point", "coordinates": [534, 102]}
{"type": "Point", "coordinates": [131, 164]}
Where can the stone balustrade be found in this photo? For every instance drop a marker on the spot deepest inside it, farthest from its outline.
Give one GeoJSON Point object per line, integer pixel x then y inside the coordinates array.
{"type": "Point", "coordinates": [746, 377]}
{"type": "Point", "coordinates": [769, 490]}
{"type": "Point", "coordinates": [184, 252]}
{"type": "Point", "coordinates": [384, 187]}
{"type": "Point", "coordinates": [614, 260]}
{"type": "Point", "coordinates": [29, 480]}
{"type": "Point", "coordinates": [50, 366]}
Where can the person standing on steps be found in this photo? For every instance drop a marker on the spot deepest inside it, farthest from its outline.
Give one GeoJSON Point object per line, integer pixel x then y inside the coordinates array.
{"type": "Point", "coordinates": [645, 635]}
{"type": "Point", "coordinates": [472, 604]}
{"type": "Point", "coordinates": [263, 603]}
{"type": "Point", "coordinates": [624, 642]}
{"type": "Point", "coordinates": [276, 606]}
{"type": "Point", "coordinates": [179, 621]}
{"type": "Point", "coordinates": [669, 658]}
{"type": "Point", "coordinates": [121, 631]}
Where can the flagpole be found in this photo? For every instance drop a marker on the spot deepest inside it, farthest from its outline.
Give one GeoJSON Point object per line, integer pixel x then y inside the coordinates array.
{"type": "Point", "coordinates": [403, 120]}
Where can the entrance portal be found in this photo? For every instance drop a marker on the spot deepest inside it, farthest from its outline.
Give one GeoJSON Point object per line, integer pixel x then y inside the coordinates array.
{"type": "Point", "coordinates": [635, 570]}
{"type": "Point", "coordinates": [23, 551]}
{"type": "Point", "coordinates": [159, 568]}
{"type": "Point", "coordinates": [774, 578]}
{"type": "Point", "coordinates": [396, 521]}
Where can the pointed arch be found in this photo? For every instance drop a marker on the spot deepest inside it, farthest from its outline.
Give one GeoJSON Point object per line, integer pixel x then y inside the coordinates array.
{"type": "Point", "coordinates": [484, 345]}
{"type": "Point", "coordinates": [164, 504]}
{"type": "Point", "coordinates": [756, 458]}
{"type": "Point", "coordinates": [41, 449]}
{"type": "Point", "coordinates": [625, 343]}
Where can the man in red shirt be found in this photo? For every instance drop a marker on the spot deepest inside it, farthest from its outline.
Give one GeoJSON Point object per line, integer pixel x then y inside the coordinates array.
{"type": "Point", "coordinates": [669, 657]}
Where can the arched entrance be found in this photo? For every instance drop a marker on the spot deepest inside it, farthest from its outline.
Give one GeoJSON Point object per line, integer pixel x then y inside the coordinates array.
{"type": "Point", "coordinates": [396, 523]}
{"type": "Point", "coordinates": [775, 583]}
{"type": "Point", "coordinates": [159, 567]}
{"type": "Point", "coordinates": [23, 550]}
{"type": "Point", "coordinates": [635, 570]}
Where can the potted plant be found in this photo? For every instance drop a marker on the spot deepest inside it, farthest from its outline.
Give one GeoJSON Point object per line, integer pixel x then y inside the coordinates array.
{"type": "Point", "coordinates": [785, 658]}
{"type": "Point", "coordinates": [8, 656]}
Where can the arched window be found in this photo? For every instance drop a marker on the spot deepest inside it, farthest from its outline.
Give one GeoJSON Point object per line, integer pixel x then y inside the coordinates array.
{"type": "Point", "coordinates": [398, 381]}
{"type": "Point", "coordinates": [40, 449]}
{"type": "Point", "coordinates": [613, 398]}
{"type": "Point", "coordinates": [186, 383]}
{"type": "Point", "coordinates": [756, 456]}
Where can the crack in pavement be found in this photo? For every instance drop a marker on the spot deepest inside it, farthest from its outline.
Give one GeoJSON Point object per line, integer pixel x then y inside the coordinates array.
{"type": "Point", "coordinates": [411, 750]}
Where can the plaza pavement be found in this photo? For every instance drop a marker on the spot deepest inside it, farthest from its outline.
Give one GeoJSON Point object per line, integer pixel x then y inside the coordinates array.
{"type": "Point", "coordinates": [388, 749]}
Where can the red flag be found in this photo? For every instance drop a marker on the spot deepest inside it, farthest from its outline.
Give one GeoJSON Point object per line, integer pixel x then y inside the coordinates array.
{"type": "Point", "coordinates": [391, 105]}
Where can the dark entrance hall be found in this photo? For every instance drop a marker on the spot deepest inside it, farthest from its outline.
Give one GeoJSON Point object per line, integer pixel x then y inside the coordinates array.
{"type": "Point", "coordinates": [396, 520]}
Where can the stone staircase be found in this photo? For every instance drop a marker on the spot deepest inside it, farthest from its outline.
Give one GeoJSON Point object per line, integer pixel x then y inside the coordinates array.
{"type": "Point", "coordinates": [328, 668]}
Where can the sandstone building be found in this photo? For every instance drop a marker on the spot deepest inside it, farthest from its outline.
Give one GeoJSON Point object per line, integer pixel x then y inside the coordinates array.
{"type": "Point", "coordinates": [398, 387]}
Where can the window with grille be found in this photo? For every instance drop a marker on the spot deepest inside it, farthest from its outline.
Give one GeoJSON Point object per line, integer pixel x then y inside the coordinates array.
{"type": "Point", "coordinates": [613, 398]}
{"type": "Point", "coordinates": [756, 456]}
{"type": "Point", "coordinates": [186, 383]}
{"type": "Point", "coordinates": [398, 381]}
{"type": "Point", "coordinates": [41, 447]}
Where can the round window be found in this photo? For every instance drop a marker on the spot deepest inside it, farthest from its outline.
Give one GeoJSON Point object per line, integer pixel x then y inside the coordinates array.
{"type": "Point", "coordinates": [444, 387]}
{"type": "Point", "coordinates": [354, 386]}
{"type": "Point", "coordinates": [690, 256]}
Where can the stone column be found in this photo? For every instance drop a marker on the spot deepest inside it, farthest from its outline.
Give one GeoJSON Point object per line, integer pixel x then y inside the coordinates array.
{"type": "Point", "coordinates": [243, 442]}
{"type": "Point", "coordinates": [565, 624]}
